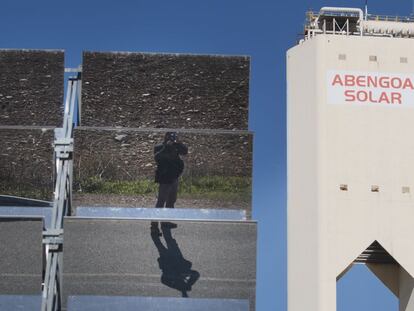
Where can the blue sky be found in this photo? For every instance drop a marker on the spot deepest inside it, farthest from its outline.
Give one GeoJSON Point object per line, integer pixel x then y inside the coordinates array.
{"type": "Point", "coordinates": [263, 29]}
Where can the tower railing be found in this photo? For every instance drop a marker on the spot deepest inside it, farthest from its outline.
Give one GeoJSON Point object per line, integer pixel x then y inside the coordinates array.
{"type": "Point", "coordinates": [353, 21]}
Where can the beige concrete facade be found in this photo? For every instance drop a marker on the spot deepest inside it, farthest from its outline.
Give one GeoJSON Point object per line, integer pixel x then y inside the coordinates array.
{"type": "Point", "coordinates": [350, 164]}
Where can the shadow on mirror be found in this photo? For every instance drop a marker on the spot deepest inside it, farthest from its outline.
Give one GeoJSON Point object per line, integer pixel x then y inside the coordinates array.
{"type": "Point", "coordinates": [176, 270]}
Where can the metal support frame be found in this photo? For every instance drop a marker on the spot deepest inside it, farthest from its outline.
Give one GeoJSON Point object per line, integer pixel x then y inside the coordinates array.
{"type": "Point", "coordinates": [53, 237]}
{"type": "Point", "coordinates": [316, 23]}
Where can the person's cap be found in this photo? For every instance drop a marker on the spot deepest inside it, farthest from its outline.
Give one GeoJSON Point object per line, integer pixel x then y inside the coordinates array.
{"type": "Point", "coordinates": [171, 136]}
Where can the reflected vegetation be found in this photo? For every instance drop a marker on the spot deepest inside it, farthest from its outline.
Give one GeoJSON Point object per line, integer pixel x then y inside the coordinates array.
{"type": "Point", "coordinates": [123, 166]}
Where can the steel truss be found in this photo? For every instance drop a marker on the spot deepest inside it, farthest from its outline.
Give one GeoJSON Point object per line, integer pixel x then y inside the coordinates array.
{"type": "Point", "coordinates": [53, 237]}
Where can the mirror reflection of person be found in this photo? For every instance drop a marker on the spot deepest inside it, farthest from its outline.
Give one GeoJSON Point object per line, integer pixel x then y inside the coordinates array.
{"type": "Point", "coordinates": [176, 270]}
{"type": "Point", "coordinates": [170, 166]}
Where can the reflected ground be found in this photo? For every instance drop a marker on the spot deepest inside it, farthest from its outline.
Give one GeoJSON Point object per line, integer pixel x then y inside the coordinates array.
{"type": "Point", "coordinates": [176, 270]}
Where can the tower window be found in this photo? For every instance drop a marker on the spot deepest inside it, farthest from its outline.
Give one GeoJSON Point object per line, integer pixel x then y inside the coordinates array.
{"type": "Point", "coordinates": [374, 188]}
{"type": "Point", "coordinates": [343, 187]}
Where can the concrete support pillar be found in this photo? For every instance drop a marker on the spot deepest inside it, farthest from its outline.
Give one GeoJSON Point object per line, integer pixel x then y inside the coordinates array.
{"type": "Point", "coordinates": [319, 296]}
{"type": "Point", "coordinates": [303, 288]}
{"type": "Point", "coordinates": [406, 291]}
{"type": "Point", "coordinates": [328, 295]}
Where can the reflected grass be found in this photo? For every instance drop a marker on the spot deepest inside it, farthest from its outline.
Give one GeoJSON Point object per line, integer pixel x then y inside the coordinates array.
{"type": "Point", "coordinates": [32, 192]}
{"type": "Point", "coordinates": [208, 187]}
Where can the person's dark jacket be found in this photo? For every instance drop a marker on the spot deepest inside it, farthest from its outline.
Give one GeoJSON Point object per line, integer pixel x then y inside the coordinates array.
{"type": "Point", "coordinates": [169, 164]}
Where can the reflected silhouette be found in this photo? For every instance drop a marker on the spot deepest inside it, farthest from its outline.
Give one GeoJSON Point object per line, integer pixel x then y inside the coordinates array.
{"type": "Point", "coordinates": [176, 270]}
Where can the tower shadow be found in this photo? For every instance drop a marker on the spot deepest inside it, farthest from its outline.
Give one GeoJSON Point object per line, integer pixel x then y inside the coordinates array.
{"type": "Point", "coordinates": [176, 270]}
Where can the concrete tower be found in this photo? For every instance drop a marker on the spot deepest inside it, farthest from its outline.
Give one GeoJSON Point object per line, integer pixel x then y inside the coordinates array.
{"type": "Point", "coordinates": [350, 155]}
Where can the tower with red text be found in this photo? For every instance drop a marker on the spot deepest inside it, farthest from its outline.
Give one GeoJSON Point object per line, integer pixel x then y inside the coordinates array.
{"type": "Point", "coordinates": [350, 86]}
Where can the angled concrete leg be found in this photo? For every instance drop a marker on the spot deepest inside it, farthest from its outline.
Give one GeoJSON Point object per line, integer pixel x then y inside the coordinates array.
{"type": "Point", "coordinates": [406, 282]}
{"type": "Point", "coordinates": [399, 281]}
{"type": "Point", "coordinates": [388, 274]}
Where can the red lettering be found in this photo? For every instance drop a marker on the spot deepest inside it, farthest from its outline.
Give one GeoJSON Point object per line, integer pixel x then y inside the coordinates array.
{"type": "Point", "coordinates": [337, 80]}
{"type": "Point", "coordinates": [408, 84]}
{"type": "Point", "coordinates": [371, 98]}
{"type": "Point", "coordinates": [384, 82]}
{"type": "Point", "coordinates": [384, 98]}
{"type": "Point", "coordinates": [360, 81]}
{"type": "Point", "coordinates": [372, 81]}
{"type": "Point", "coordinates": [396, 83]}
{"type": "Point", "coordinates": [349, 80]}
{"type": "Point", "coordinates": [396, 98]}
{"type": "Point", "coordinates": [362, 96]}
{"type": "Point", "coordinates": [350, 95]}
{"type": "Point", "coordinates": [373, 85]}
